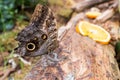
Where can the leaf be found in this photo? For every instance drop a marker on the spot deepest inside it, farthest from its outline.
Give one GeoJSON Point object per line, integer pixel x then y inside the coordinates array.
{"type": "Point", "coordinates": [9, 25]}
{"type": "Point", "coordinates": [117, 47]}
{"type": "Point", "coordinates": [21, 64]}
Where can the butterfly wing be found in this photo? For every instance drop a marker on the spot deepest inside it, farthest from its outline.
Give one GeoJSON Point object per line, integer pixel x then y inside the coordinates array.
{"type": "Point", "coordinates": [40, 36]}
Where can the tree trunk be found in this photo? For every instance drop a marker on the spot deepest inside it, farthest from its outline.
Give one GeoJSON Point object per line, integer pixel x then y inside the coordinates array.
{"type": "Point", "coordinates": [85, 59]}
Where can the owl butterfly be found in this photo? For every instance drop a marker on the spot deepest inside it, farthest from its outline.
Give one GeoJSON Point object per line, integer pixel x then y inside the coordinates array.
{"type": "Point", "coordinates": [40, 36]}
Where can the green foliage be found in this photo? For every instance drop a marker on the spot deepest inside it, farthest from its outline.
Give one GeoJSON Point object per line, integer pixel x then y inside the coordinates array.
{"type": "Point", "coordinates": [6, 59]}
{"type": "Point", "coordinates": [117, 47]}
{"type": "Point", "coordinates": [9, 11]}
{"type": "Point", "coordinates": [21, 64]}
{"type": "Point", "coordinates": [30, 3]}
{"type": "Point", "coordinates": [7, 42]}
{"type": "Point", "coordinates": [11, 56]}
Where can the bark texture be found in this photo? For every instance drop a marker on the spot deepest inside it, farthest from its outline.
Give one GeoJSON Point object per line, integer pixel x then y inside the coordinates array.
{"type": "Point", "coordinates": [85, 59]}
{"type": "Point", "coordinates": [87, 3]}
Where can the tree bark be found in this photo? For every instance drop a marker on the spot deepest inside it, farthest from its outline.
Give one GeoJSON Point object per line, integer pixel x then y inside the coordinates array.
{"type": "Point", "coordinates": [86, 4]}
{"type": "Point", "coordinates": [108, 13]}
{"type": "Point", "coordinates": [85, 59]}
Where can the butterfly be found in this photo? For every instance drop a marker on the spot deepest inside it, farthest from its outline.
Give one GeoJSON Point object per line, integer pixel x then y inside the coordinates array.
{"type": "Point", "coordinates": [40, 35]}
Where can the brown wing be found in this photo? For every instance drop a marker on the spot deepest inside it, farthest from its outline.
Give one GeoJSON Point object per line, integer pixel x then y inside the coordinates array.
{"type": "Point", "coordinates": [42, 23]}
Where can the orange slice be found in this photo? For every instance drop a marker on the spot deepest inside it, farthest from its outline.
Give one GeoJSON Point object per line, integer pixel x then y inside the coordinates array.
{"type": "Point", "coordinates": [93, 14]}
{"type": "Point", "coordinates": [93, 31]}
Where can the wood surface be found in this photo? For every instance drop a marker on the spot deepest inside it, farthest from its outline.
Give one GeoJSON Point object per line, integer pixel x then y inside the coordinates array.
{"type": "Point", "coordinates": [85, 59]}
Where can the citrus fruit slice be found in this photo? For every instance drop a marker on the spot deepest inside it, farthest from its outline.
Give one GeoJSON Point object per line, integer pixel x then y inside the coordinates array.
{"type": "Point", "coordinates": [93, 14]}
{"type": "Point", "coordinates": [93, 31]}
